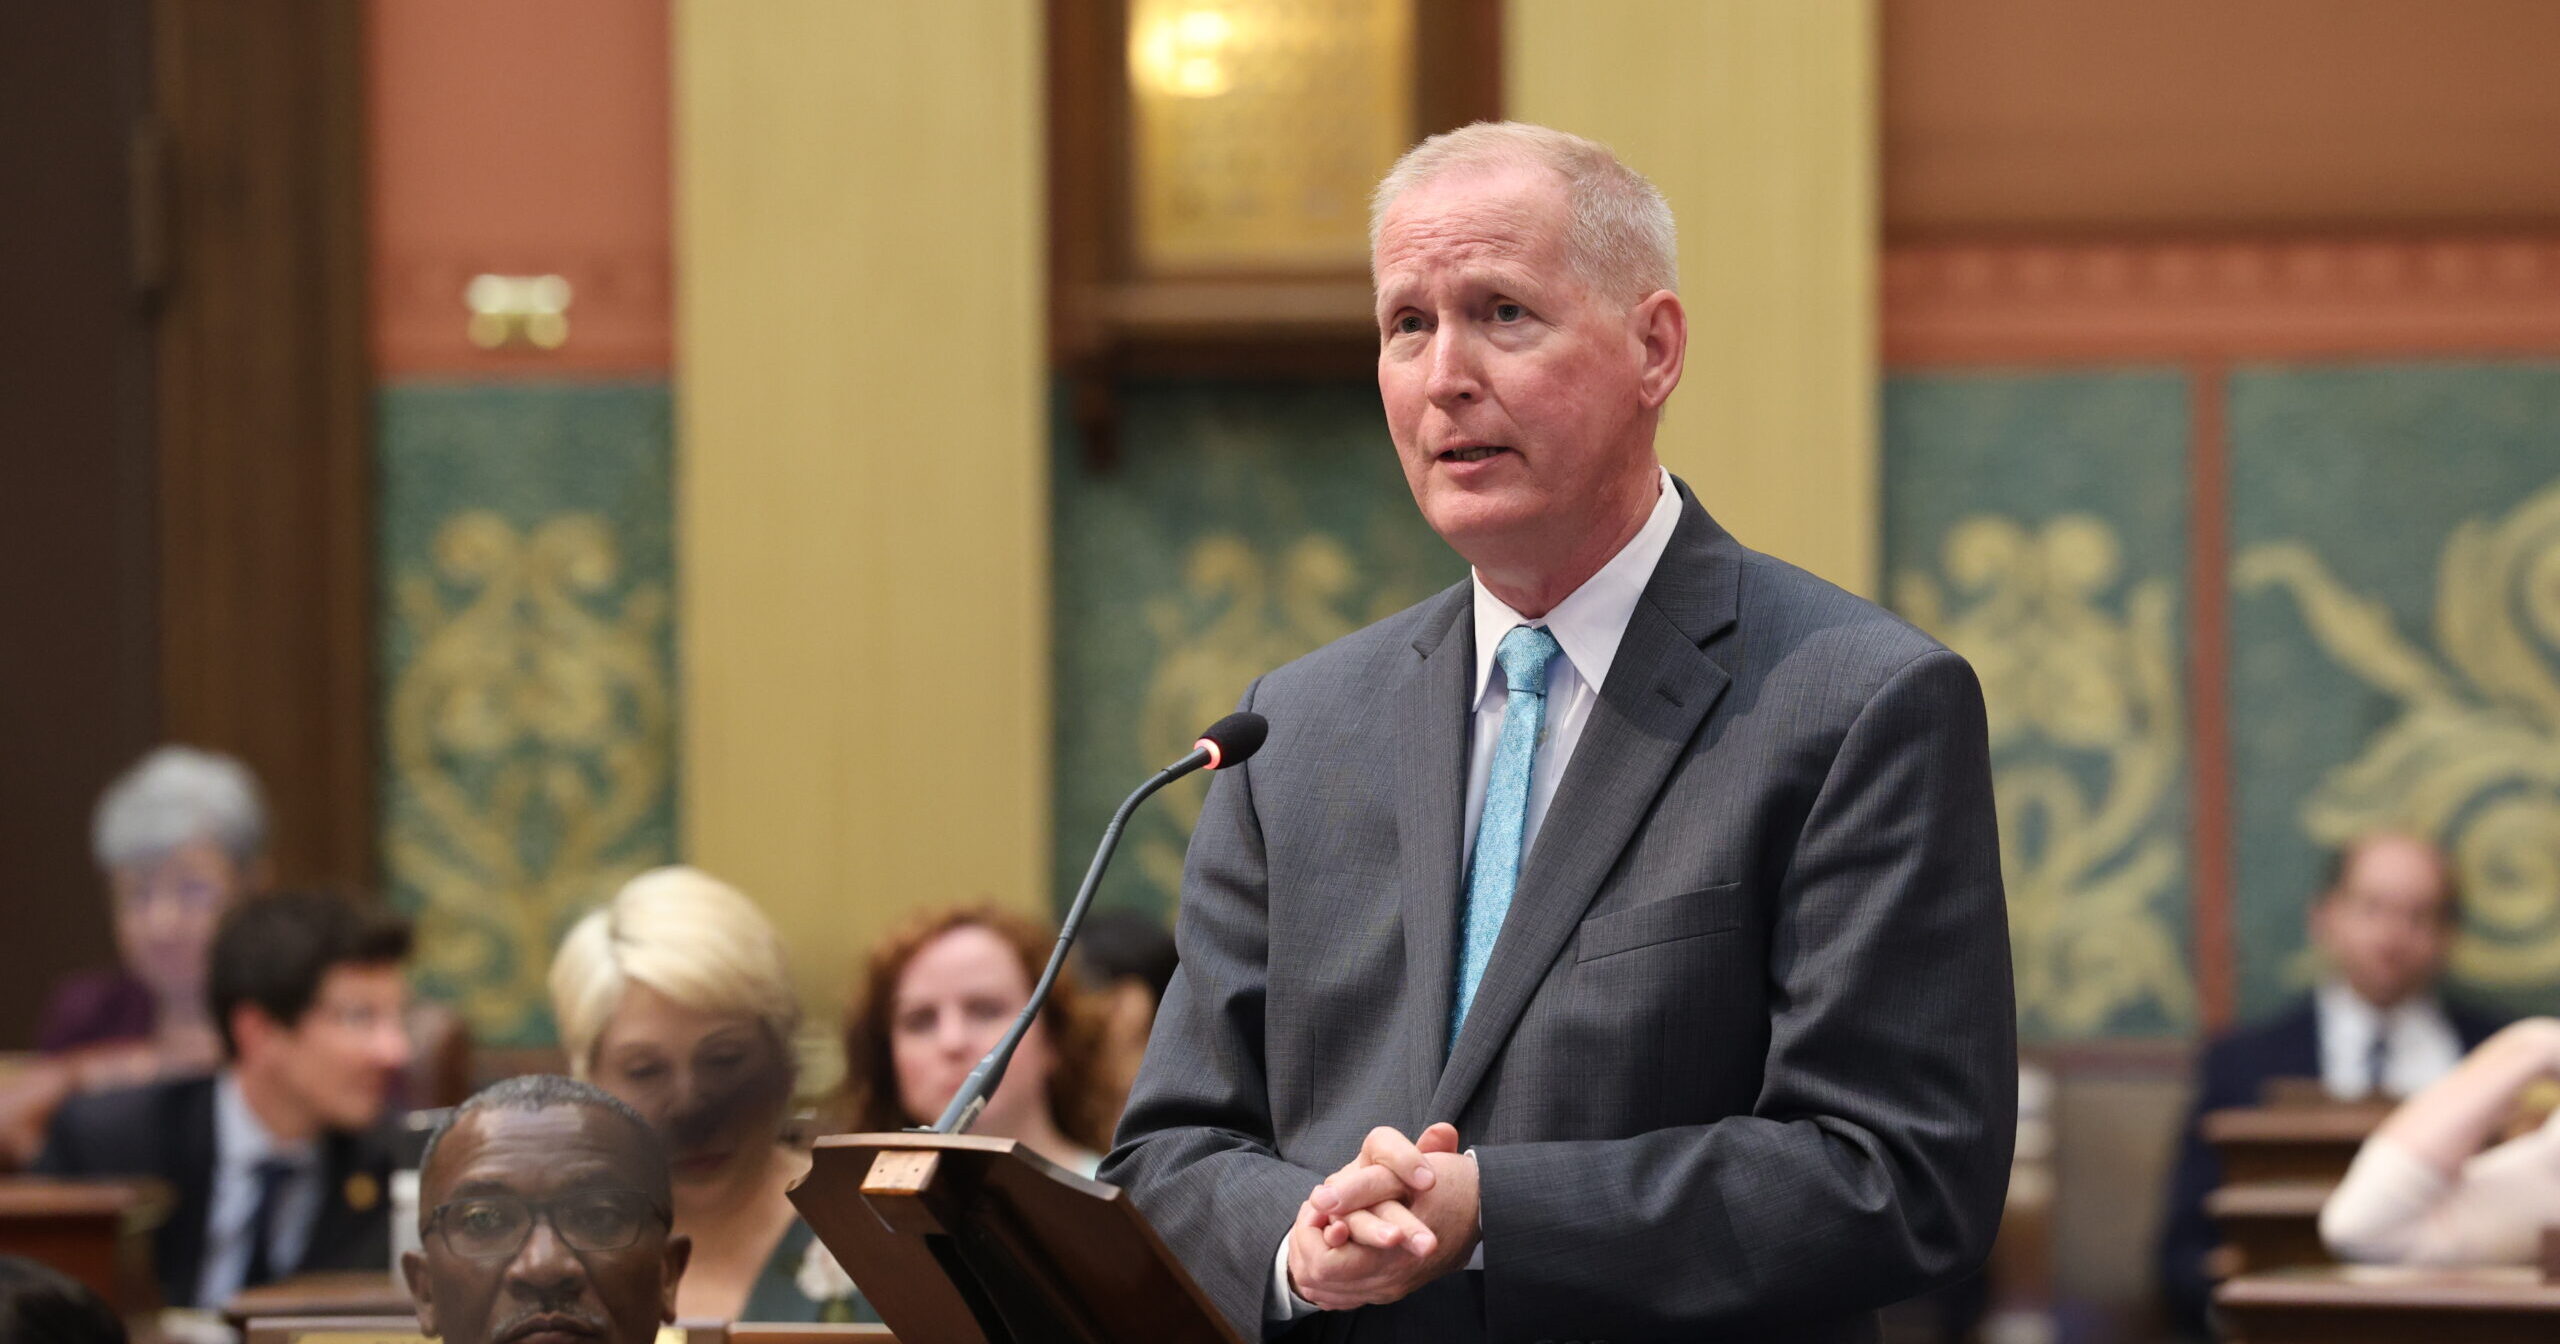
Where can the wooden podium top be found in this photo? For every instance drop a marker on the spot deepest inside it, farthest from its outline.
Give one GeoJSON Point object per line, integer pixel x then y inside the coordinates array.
{"type": "Point", "coordinates": [982, 1241]}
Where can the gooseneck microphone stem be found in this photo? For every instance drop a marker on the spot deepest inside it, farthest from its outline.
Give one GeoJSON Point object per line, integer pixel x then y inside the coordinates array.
{"type": "Point", "coordinates": [982, 1080]}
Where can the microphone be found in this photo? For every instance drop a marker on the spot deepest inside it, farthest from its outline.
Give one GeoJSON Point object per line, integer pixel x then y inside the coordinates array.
{"type": "Point", "coordinates": [1230, 741]}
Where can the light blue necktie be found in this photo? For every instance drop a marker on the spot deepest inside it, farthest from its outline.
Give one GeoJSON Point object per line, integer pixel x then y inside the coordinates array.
{"type": "Point", "coordinates": [1523, 658]}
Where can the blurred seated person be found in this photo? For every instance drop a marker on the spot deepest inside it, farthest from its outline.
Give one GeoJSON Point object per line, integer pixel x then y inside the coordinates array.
{"type": "Point", "coordinates": [543, 1216]}
{"type": "Point", "coordinates": [938, 993]}
{"type": "Point", "coordinates": [2374, 1026]}
{"type": "Point", "coordinates": [1126, 959]}
{"type": "Point", "coordinates": [278, 1160]}
{"type": "Point", "coordinates": [179, 837]}
{"type": "Point", "coordinates": [2423, 1191]}
{"type": "Point", "coordinates": [42, 1305]}
{"type": "Point", "coordinates": [675, 998]}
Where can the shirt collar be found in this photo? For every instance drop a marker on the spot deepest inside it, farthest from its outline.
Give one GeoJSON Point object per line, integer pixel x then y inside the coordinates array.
{"type": "Point", "coordinates": [1589, 623]}
{"type": "Point", "coordinates": [2341, 1004]}
{"type": "Point", "coordinates": [239, 1140]}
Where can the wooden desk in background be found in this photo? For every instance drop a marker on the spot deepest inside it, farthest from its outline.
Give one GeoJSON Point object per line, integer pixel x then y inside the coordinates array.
{"type": "Point", "coordinates": [2270, 1225]}
{"type": "Point", "coordinates": [2367, 1304]}
{"type": "Point", "coordinates": [98, 1232]}
{"type": "Point", "coordinates": [371, 1329]}
{"type": "Point", "coordinates": [340, 1293]}
{"type": "Point", "coordinates": [2291, 1143]}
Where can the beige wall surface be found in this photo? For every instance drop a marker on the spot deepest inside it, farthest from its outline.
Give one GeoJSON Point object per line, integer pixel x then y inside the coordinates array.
{"type": "Point", "coordinates": [1757, 119]}
{"type": "Point", "coordinates": [862, 483]}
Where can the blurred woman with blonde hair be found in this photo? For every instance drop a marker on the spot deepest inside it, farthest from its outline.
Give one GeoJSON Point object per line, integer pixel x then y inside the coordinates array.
{"type": "Point", "coordinates": [675, 997]}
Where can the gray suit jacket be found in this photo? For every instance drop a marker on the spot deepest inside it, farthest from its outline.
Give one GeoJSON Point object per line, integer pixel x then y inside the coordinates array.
{"type": "Point", "coordinates": [1744, 1063]}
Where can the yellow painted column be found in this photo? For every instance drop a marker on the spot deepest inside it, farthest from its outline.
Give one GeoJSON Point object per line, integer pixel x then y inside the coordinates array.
{"type": "Point", "coordinates": [863, 520]}
{"type": "Point", "coordinates": [1757, 118]}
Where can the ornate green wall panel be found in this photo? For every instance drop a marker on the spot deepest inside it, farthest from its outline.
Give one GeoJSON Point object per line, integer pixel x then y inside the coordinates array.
{"type": "Point", "coordinates": [2396, 649]}
{"type": "Point", "coordinates": [2038, 525]}
{"type": "Point", "coordinates": [1241, 525]}
{"type": "Point", "coordinates": [528, 666]}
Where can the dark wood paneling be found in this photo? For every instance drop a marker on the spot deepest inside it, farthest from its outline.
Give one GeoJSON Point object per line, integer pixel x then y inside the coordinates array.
{"type": "Point", "coordinates": [78, 694]}
{"type": "Point", "coordinates": [265, 517]}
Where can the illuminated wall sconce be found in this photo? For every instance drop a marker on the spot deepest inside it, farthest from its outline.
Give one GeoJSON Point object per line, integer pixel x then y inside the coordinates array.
{"type": "Point", "coordinates": [517, 310]}
{"type": "Point", "coordinates": [1183, 51]}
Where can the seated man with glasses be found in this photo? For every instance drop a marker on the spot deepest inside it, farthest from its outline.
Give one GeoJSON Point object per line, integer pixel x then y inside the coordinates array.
{"type": "Point", "coordinates": [278, 1161]}
{"type": "Point", "coordinates": [545, 1219]}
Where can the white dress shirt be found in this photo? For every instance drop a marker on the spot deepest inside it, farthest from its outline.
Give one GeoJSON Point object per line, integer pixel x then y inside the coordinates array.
{"type": "Point", "coordinates": [240, 1143]}
{"type": "Point", "coordinates": [1587, 626]}
{"type": "Point", "coordinates": [2420, 1044]}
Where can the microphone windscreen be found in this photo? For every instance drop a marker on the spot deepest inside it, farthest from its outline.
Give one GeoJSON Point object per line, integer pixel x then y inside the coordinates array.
{"type": "Point", "coordinates": [1236, 737]}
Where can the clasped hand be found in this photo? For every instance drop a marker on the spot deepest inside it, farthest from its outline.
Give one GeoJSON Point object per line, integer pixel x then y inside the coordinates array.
{"type": "Point", "coordinates": [1402, 1213]}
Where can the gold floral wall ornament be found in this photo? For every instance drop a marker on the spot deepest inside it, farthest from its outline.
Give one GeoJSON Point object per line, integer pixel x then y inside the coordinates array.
{"type": "Point", "coordinates": [2471, 758]}
{"type": "Point", "coordinates": [2087, 735]}
{"type": "Point", "coordinates": [530, 739]}
{"type": "Point", "coordinates": [1239, 613]}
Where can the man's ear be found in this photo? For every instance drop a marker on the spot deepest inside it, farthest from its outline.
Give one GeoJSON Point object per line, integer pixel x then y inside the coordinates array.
{"type": "Point", "coordinates": [252, 1030]}
{"type": "Point", "coordinates": [679, 1254]}
{"type": "Point", "coordinates": [1662, 336]}
{"type": "Point", "coordinates": [413, 1267]}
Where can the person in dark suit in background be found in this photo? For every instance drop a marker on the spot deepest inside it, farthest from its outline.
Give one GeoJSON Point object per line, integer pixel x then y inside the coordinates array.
{"type": "Point", "coordinates": [1611, 946]}
{"type": "Point", "coordinates": [2375, 1026]}
{"type": "Point", "coordinates": [279, 1159]}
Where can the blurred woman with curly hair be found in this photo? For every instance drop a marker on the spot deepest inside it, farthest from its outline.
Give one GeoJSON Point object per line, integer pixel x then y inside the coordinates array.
{"type": "Point", "coordinates": [937, 994]}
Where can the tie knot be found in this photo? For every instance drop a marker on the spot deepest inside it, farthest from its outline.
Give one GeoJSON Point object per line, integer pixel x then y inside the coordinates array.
{"type": "Point", "coordinates": [1524, 656]}
{"type": "Point", "coordinates": [275, 1171]}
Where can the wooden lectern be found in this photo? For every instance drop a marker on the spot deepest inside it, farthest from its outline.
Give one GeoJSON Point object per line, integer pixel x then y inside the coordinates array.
{"type": "Point", "coordinates": [957, 1239]}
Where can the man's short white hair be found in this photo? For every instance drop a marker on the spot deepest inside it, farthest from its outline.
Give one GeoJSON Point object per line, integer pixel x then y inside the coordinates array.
{"type": "Point", "coordinates": [174, 797]}
{"type": "Point", "coordinates": [1621, 239]}
{"type": "Point", "coordinates": [687, 935]}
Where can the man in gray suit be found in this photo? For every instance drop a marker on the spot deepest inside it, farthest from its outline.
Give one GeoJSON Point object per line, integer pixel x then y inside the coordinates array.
{"type": "Point", "coordinates": [1611, 947]}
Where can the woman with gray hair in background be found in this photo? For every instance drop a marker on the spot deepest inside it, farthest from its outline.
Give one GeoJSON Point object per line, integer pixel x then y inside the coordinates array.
{"type": "Point", "coordinates": [180, 838]}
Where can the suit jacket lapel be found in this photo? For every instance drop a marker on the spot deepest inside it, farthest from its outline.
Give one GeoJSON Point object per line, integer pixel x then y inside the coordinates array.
{"type": "Point", "coordinates": [1660, 687]}
{"type": "Point", "coordinates": [194, 1152]}
{"type": "Point", "coordinates": [350, 1167]}
{"type": "Point", "coordinates": [1431, 709]}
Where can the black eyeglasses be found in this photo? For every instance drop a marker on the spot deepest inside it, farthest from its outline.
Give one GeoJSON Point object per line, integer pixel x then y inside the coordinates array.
{"type": "Point", "coordinates": [487, 1227]}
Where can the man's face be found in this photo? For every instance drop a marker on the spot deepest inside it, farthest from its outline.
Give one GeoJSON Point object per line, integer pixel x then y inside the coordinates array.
{"type": "Point", "coordinates": [2385, 927]}
{"type": "Point", "coordinates": [166, 913]}
{"type": "Point", "coordinates": [339, 1060]}
{"type": "Point", "coordinates": [1518, 400]}
{"type": "Point", "coordinates": [546, 1290]}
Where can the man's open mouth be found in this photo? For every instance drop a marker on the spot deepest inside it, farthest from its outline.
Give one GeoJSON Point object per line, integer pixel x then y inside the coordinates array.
{"type": "Point", "coordinates": [1473, 453]}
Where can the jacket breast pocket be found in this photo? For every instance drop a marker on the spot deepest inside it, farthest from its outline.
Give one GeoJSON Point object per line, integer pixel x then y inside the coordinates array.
{"type": "Point", "coordinates": [1696, 914]}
